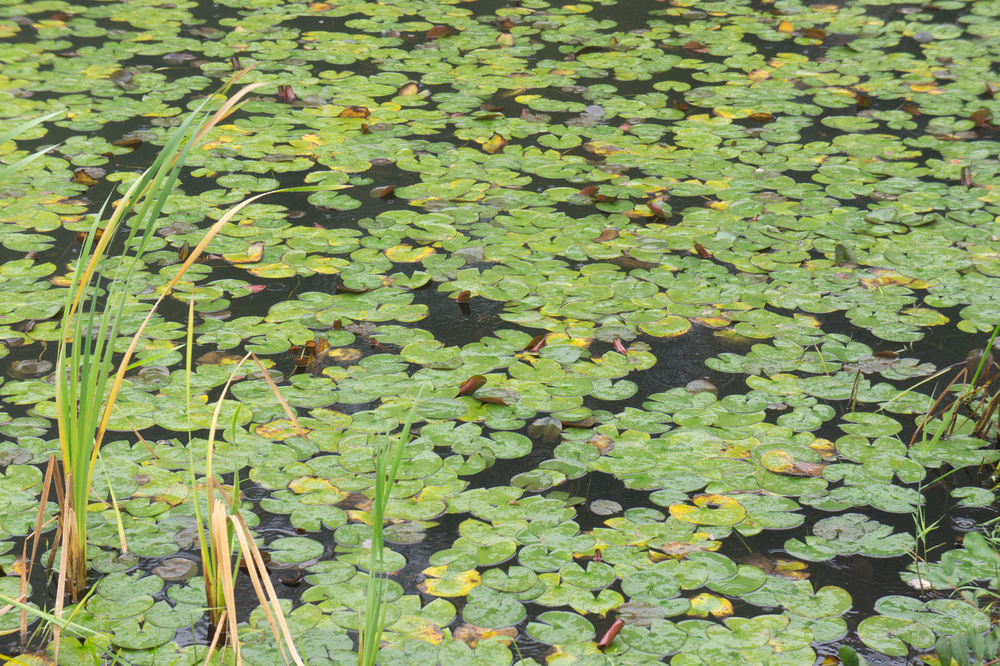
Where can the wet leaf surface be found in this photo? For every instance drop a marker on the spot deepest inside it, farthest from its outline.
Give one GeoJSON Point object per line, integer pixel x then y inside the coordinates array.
{"type": "Point", "coordinates": [576, 192]}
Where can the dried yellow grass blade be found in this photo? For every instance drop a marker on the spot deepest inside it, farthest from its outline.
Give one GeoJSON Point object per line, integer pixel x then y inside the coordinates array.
{"type": "Point", "coordinates": [215, 642]}
{"type": "Point", "coordinates": [69, 524]}
{"type": "Point", "coordinates": [281, 398]}
{"type": "Point", "coordinates": [225, 574]}
{"type": "Point", "coordinates": [228, 107]}
{"type": "Point", "coordinates": [195, 253]}
{"type": "Point", "coordinates": [209, 478]}
{"type": "Point", "coordinates": [255, 565]}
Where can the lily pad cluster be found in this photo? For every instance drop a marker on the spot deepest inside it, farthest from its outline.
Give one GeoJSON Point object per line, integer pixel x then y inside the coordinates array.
{"type": "Point", "coordinates": [592, 186]}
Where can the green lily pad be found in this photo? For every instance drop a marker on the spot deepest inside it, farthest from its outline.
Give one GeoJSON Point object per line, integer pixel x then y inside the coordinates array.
{"type": "Point", "coordinates": [560, 627]}
{"type": "Point", "coordinates": [289, 550]}
{"type": "Point", "coordinates": [489, 609]}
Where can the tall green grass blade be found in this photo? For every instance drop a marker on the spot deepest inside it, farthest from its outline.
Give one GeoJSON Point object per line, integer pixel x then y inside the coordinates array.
{"type": "Point", "coordinates": [371, 626]}
{"type": "Point", "coordinates": [114, 507]}
{"type": "Point", "coordinates": [83, 370]}
{"type": "Point", "coordinates": [27, 125]}
{"type": "Point", "coordinates": [11, 169]}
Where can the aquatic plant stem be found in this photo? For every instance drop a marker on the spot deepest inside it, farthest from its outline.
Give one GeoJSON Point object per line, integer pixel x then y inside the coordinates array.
{"type": "Point", "coordinates": [84, 361]}
{"type": "Point", "coordinates": [922, 529]}
{"type": "Point", "coordinates": [371, 626]}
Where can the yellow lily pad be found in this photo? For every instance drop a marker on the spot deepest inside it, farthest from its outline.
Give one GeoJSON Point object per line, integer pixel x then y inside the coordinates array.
{"type": "Point", "coordinates": [279, 430]}
{"type": "Point", "coordinates": [717, 510]}
{"type": "Point", "coordinates": [706, 604]}
{"type": "Point", "coordinates": [407, 254]}
{"type": "Point", "coordinates": [451, 585]}
{"type": "Point", "coordinates": [252, 255]}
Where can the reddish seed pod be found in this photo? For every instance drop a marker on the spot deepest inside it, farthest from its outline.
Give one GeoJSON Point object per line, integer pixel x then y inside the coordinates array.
{"type": "Point", "coordinates": [609, 635]}
{"type": "Point", "coordinates": [472, 384]}
{"type": "Point", "coordinates": [536, 343]}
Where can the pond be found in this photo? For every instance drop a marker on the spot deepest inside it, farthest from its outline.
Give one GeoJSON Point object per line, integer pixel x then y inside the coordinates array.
{"type": "Point", "coordinates": [682, 293]}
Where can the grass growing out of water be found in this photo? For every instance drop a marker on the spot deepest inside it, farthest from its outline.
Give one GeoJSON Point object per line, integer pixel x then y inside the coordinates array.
{"type": "Point", "coordinates": [927, 442]}
{"type": "Point", "coordinates": [86, 346]}
{"type": "Point", "coordinates": [217, 549]}
{"type": "Point", "coordinates": [87, 343]}
{"type": "Point", "coordinates": [12, 169]}
{"type": "Point", "coordinates": [371, 625]}
{"type": "Point", "coordinates": [87, 388]}
{"type": "Point", "coordinates": [228, 535]}
{"type": "Point", "coordinates": [225, 529]}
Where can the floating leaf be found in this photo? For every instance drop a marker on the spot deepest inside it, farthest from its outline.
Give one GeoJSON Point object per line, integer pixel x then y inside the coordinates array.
{"type": "Point", "coordinates": [442, 582]}
{"type": "Point", "coordinates": [780, 462]}
{"type": "Point", "coordinates": [408, 254]}
{"type": "Point", "coordinates": [706, 604]}
{"type": "Point", "coordinates": [709, 510]}
{"type": "Point", "coordinates": [472, 385]}
{"type": "Point", "coordinates": [488, 609]}
{"type": "Point", "coordinates": [437, 32]}
{"type": "Point", "coordinates": [354, 112]}
{"type": "Point", "coordinates": [494, 144]}
{"type": "Point", "coordinates": [253, 254]}
{"type": "Point", "coordinates": [560, 627]}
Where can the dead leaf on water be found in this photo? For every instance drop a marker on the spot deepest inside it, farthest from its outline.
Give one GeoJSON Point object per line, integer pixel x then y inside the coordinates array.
{"type": "Point", "coordinates": [781, 462]}
{"type": "Point", "coordinates": [81, 177]}
{"type": "Point", "coordinates": [471, 635]}
{"type": "Point", "coordinates": [602, 443]}
{"type": "Point", "coordinates": [437, 32]}
{"type": "Point", "coordinates": [354, 112]}
{"type": "Point", "coordinates": [472, 384]}
{"type": "Point", "coordinates": [253, 254]}
{"type": "Point", "coordinates": [789, 569]}
{"type": "Point", "coordinates": [494, 144]}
